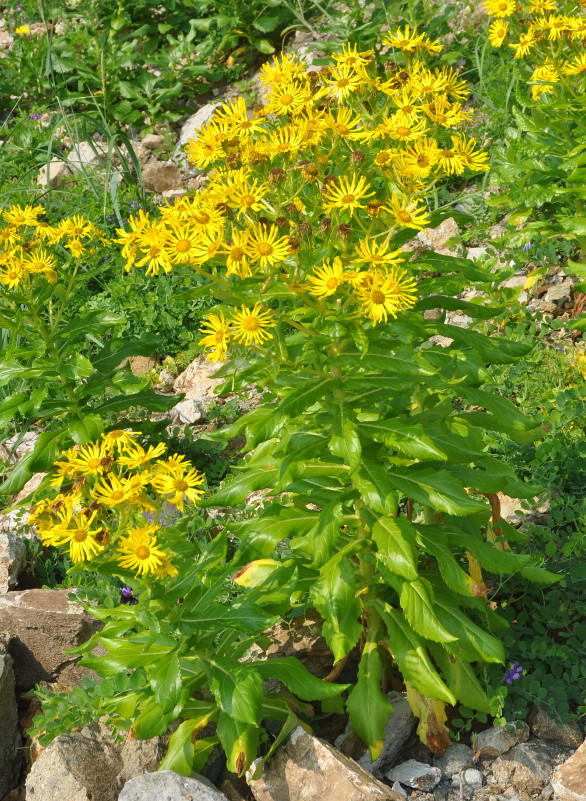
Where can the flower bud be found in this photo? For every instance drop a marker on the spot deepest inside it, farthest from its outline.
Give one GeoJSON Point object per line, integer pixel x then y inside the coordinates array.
{"type": "Point", "coordinates": [325, 225]}
{"type": "Point", "coordinates": [276, 175]}
{"type": "Point", "coordinates": [358, 156]}
{"type": "Point", "coordinates": [344, 231]}
{"type": "Point", "coordinates": [304, 229]}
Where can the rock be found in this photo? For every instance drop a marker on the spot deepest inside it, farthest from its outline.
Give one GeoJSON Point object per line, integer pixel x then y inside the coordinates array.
{"type": "Point", "coordinates": [153, 141]}
{"type": "Point", "coordinates": [454, 758]}
{"type": "Point", "coordinates": [57, 173]}
{"type": "Point", "coordinates": [309, 768]}
{"type": "Point", "coordinates": [12, 560]}
{"type": "Point", "coordinates": [76, 767]}
{"type": "Point", "coordinates": [526, 766]}
{"type": "Point", "coordinates": [141, 365]}
{"type": "Point", "coordinates": [159, 176]}
{"type": "Point", "coordinates": [195, 122]}
{"type": "Point", "coordinates": [569, 780]}
{"type": "Point", "coordinates": [397, 731]}
{"type": "Point", "coordinates": [476, 253]}
{"type": "Point", "coordinates": [14, 451]}
{"type": "Point", "coordinates": [189, 411]}
{"type": "Point", "coordinates": [11, 754]}
{"type": "Point", "coordinates": [415, 774]}
{"type": "Point", "coordinates": [84, 156]}
{"type": "Point", "coordinates": [302, 639]}
{"type": "Point", "coordinates": [166, 785]}
{"type": "Point", "coordinates": [468, 779]}
{"type": "Point", "coordinates": [171, 196]}
{"type": "Point", "coordinates": [515, 281]}
{"type": "Point", "coordinates": [498, 740]}
{"type": "Point", "coordinates": [197, 380]}
{"type": "Point", "coordinates": [166, 379]}
{"type": "Point", "coordinates": [559, 293]}
{"type": "Point", "coordinates": [43, 625]}
{"type": "Point", "coordinates": [569, 735]}
{"type": "Point", "coordinates": [436, 239]}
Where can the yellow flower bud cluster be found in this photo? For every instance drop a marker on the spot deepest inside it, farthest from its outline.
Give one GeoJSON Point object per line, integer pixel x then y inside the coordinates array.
{"type": "Point", "coordinates": [111, 495]}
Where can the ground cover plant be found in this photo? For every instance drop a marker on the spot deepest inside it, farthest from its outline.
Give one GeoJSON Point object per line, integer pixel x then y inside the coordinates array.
{"type": "Point", "coordinates": [370, 441]}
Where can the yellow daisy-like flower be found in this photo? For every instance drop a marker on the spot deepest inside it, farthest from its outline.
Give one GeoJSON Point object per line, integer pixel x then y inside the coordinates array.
{"type": "Point", "coordinates": [345, 125]}
{"type": "Point", "coordinates": [497, 33]}
{"type": "Point", "coordinates": [407, 40]}
{"type": "Point", "coordinates": [110, 491]}
{"type": "Point", "coordinates": [250, 325]}
{"type": "Point", "coordinates": [38, 261]}
{"type": "Point", "coordinates": [286, 98]}
{"type": "Point", "coordinates": [79, 535]}
{"type": "Point", "coordinates": [450, 161]}
{"type": "Point", "coordinates": [350, 56]}
{"type": "Point", "coordinates": [342, 82]}
{"type": "Point", "coordinates": [407, 212]}
{"type": "Point", "coordinates": [135, 455]}
{"type": "Point", "coordinates": [546, 72]}
{"type": "Point", "coordinates": [76, 248]}
{"type": "Point", "coordinates": [404, 129]}
{"type": "Point", "coordinates": [265, 247]}
{"type": "Point", "coordinates": [166, 569]}
{"type": "Point", "coordinates": [207, 146]}
{"type": "Point", "coordinates": [541, 6]}
{"type": "Point", "coordinates": [217, 337]}
{"type": "Point", "coordinates": [12, 274]}
{"type": "Point", "coordinates": [524, 45]}
{"type": "Point", "coordinates": [499, 8]}
{"type": "Point", "coordinates": [89, 460]}
{"type": "Point", "coordinates": [118, 439]}
{"type": "Point", "coordinates": [179, 484]}
{"type": "Point", "coordinates": [347, 194]}
{"type": "Point", "coordinates": [181, 243]}
{"type": "Point", "coordinates": [19, 216]}
{"type": "Point", "coordinates": [247, 197]}
{"type": "Point", "coordinates": [476, 160]}
{"type": "Point", "coordinates": [139, 551]}
{"type": "Point", "coordinates": [576, 66]}
{"type": "Point", "coordinates": [237, 261]}
{"type": "Point", "coordinates": [22, 30]}
{"type": "Point", "coordinates": [376, 254]}
{"type": "Point", "coordinates": [384, 293]}
{"type": "Point", "coordinates": [327, 278]}
{"type": "Point", "coordinates": [420, 158]}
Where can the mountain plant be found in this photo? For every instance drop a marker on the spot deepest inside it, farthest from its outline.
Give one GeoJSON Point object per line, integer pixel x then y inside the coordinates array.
{"type": "Point", "coordinates": [380, 506]}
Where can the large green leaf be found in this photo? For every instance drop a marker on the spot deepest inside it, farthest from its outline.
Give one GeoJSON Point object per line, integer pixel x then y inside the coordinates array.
{"type": "Point", "coordinates": [405, 436]}
{"type": "Point", "coordinates": [184, 751]}
{"type": "Point", "coordinates": [334, 597]}
{"type": "Point", "coordinates": [411, 655]}
{"type": "Point", "coordinates": [147, 399]}
{"type": "Point", "coordinates": [372, 481]}
{"type": "Point", "coordinates": [395, 542]}
{"type": "Point", "coordinates": [86, 429]}
{"type": "Point", "coordinates": [259, 535]}
{"type": "Point", "coordinates": [434, 487]}
{"type": "Point", "coordinates": [298, 679]}
{"type": "Point", "coordinates": [500, 406]}
{"type": "Point", "coordinates": [9, 407]}
{"type": "Point", "coordinates": [461, 680]}
{"type": "Point", "coordinates": [238, 689]}
{"type": "Point", "coordinates": [472, 643]}
{"type": "Point", "coordinates": [345, 441]}
{"type": "Point", "coordinates": [240, 742]}
{"type": "Point", "coordinates": [166, 682]}
{"type": "Point", "coordinates": [302, 398]}
{"type": "Point", "coordinates": [433, 539]}
{"type": "Point", "coordinates": [417, 602]}
{"type": "Point", "coordinates": [368, 707]}
{"type": "Point", "coordinates": [235, 489]}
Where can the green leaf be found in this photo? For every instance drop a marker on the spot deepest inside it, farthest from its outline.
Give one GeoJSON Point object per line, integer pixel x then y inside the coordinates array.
{"type": "Point", "coordinates": [472, 642]}
{"type": "Point", "coordinates": [238, 689]}
{"type": "Point", "coordinates": [267, 23]}
{"type": "Point", "coordinates": [240, 742]}
{"type": "Point", "coordinates": [146, 399]}
{"type": "Point", "coordinates": [307, 395]}
{"type": "Point", "coordinates": [368, 708]}
{"type": "Point", "coordinates": [183, 751]}
{"type": "Point", "coordinates": [345, 442]}
{"type": "Point", "coordinates": [500, 406]}
{"type": "Point", "coordinates": [45, 451]}
{"type": "Point", "coordinates": [165, 681]}
{"type": "Point", "coordinates": [94, 323]}
{"type": "Point", "coordinates": [321, 541]}
{"type": "Point", "coordinates": [461, 680]}
{"type": "Point", "coordinates": [404, 436]}
{"type": "Point", "coordinates": [371, 479]}
{"type": "Point", "coordinates": [411, 655]}
{"type": "Point", "coordinates": [298, 679]}
{"type": "Point", "coordinates": [433, 539]}
{"type": "Point", "coordinates": [434, 487]}
{"type": "Point", "coordinates": [259, 535]}
{"type": "Point", "coordinates": [151, 721]}
{"type": "Point", "coordinates": [490, 557]}
{"type": "Point", "coordinates": [334, 596]}
{"type": "Point", "coordinates": [18, 476]}
{"type": "Point", "coordinates": [10, 406]}
{"type": "Point", "coordinates": [76, 367]}
{"type": "Point", "coordinates": [264, 46]}
{"type": "Point", "coordinates": [417, 602]}
{"type": "Point", "coordinates": [88, 429]}
{"type": "Point", "coordinates": [235, 489]}
{"type": "Point", "coordinates": [496, 350]}
{"type": "Point", "coordinates": [395, 541]}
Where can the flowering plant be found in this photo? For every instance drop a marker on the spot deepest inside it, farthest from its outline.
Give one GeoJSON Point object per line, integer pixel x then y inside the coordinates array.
{"type": "Point", "coordinates": [45, 373]}
{"type": "Point", "coordinates": [380, 501]}
{"type": "Point", "coordinates": [543, 161]}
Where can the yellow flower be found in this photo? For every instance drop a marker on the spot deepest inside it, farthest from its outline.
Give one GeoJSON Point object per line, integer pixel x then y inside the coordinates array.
{"type": "Point", "coordinates": [497, 33]}
{"type": "Point", "coordinates": [165, 569]}
{"type": "Point", "coordinates": [207, 146]}
{"type": "Point", "coordinates": [76, 248]}
{"type": "Point", "coordinates": [80, 537]}
{"type": "Point", "coordinates": [407, 39]}
{"type": "Point", "coordinates": [89, 459]}
{"type": "Point", "coordinates": [181, 243]}
{"type": "Point", "coordinates": [419, 158]}
{"type": "Point", "coordinates": [376, 254]}
{"type": "Point", "coordinates": [347, 194]}
{"type": "Point", "coordinates": [217, 337]}
{"type": "Point", "coordinates": [22, 30]}
{"type": "Point", "coordinates": [237, 262]}
{"type": "Point", "coordinates": [38, 261]}
{"type": "Point", "coordinates": [287, 98]}
{"type": "Point", "coordinates": [179, 483]}
{"type": "Point", "coordinates": [250, 325]}
{"type": "Point", "coordinates": [450, 161]}
{"type": "Point", "coordinates": [264, 246]}
{"type": "Point", "coordinates": [139, 551]}
{"type": "Point", "coordinates": [12, 274]}
{"type": "Point", "coordinates": [546, 72]}
{"type": "Point", "coordinates": [110, 491]}
{"type": "Point", "coordinates": [476, 160]}
{"type": "Point", "coordinates": [384, 293]}
{"type": "Point", "coordinates": [540, 6]}
{"type": "Point", "coordinates": [403, 128]}
{"type": "Point", "coordinates": [345, 125]}
{"type": "Point", "coordinates": [499, 8]}
{"type": "Point", "coordinates": [247, 197]}
{"type": "Point", "coordinates": [327, 278]}
{"type": "Point", "coordinates": [136, 456]}
{"type": "Point", "coordinates": [524, 45]}
{"type": "Point", "coordinates": [407, 213]}
{"type": "Point", "coordinates": [287, 70]}
{"type": "Point", "coordinates": [118, 439]}
{"type": "Point", "coordinates": [576, 66]}
{"type": "Point", "coordinates": [351, 57]}
{"type": "Point", "coordinates": [18, 216]}
{"type": "Point", "coordinates": [343, 82]}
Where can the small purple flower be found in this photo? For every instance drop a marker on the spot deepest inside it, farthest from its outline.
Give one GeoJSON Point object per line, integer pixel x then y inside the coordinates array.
{"type": "Point", "coordinates": [133, 204]}
{"type": "Point", "coordinates": [97, 137]}
{"type": "Point", "coordinates": [513, 674]}
{"type": "Point", "coordinates": [34, 116]}
{"type": "Point", "coordinates": [527, 246]}
{"type": "Point", "coordinates": [126, 591]}
{"type": "Point", "coordinates": [104, 259]}
{"type": "Point", "coordinates": [111, 217]}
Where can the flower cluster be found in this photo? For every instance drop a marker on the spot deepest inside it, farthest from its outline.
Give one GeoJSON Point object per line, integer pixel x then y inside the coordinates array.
{"type": "Point", "coordinates": [306, 195]}
{"type": "Point", "coordinates": [551, 40]}
{"type": "Point", "coordinates": [111, 494]}
{"type": "Point", "coordinates": [31, 248]}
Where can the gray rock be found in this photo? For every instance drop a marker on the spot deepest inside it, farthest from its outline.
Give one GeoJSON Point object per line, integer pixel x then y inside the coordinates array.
{"type": "Point", "coordinates": [55, 174]}
{"type": "Point", "coordinates": [12, 560]}
{"type": "Point", "coordinates": [160, 176]}
{"type": "Point", "coordinates": [309, 768]}
{"type": "Point", "coordinates": [11, 754]}
{"type": "Point", "coordinates": [192, 124]}
{"type": "Point", "coordinates": [476, 253]}
{"type": "Point", "coordinates": [527, 766]}
{"type": "Point", "coordinates": [397, 731]}
{"type": "Point", "coordinates": [569, 780]}
{"type": "Point", "coordinates": [84, 156]}
{"type": "Point", "coordinates": [569, 735]}
{"type": "Point", "coordinates": [166, 785]}
{"type": "Point", "coordinates": [454, 758]}
{"type": "Point", "coordinates": [415, 774]}
{"type": "Point", "coordinates": [498, 740]}
{"type": "Point", "coordinates": [153, 141]}
{"type": "Point", "coordinates": [43, 625]}
{"type": "Point", "coordinates": [559, 294]}
{"type": "Point", "coordinates": [189, 411]}
{"type": "Point", "coordinates": [468, 779]}
{"type": "Point", "coordinates": [437, 239]}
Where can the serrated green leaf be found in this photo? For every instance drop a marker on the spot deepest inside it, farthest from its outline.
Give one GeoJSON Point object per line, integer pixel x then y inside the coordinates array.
{"type": "Point", "coordinates": [395, 542]}
{"type": "Point", "coordinates": [165, 681]}
{"type": "Point", "coordinates": [368, 708]}
{"type": "Point", "coordinates": [417, 602]}
{"type": "Point", "coordinates": [334, 597]}
{"type": "Point", "coordinates": [298, 679]}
